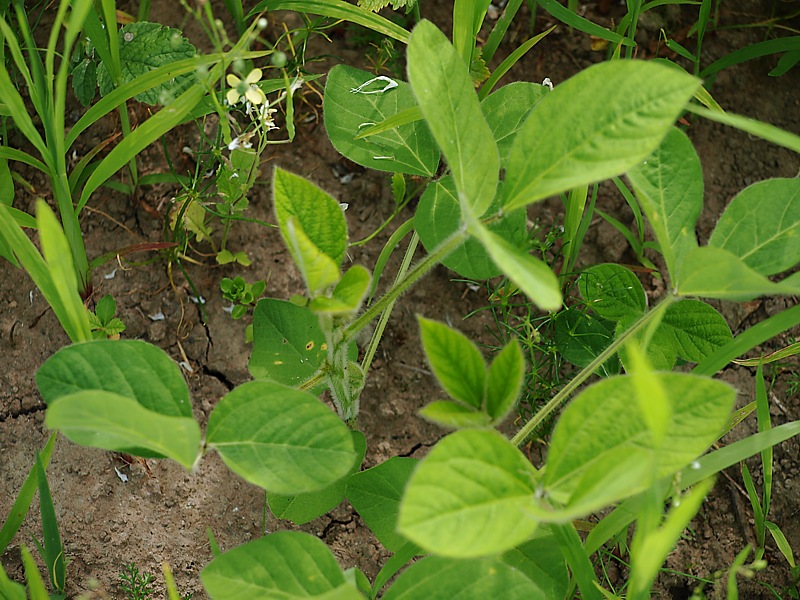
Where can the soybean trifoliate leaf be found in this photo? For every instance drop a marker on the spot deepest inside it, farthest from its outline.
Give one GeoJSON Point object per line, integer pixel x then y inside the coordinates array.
{"type": "Point", "coordinates": [456, 362]}
{"type": "Point", "coordinates": [581, 337]}
{"type": "Point", "coordinates": [290, 565]}
{"type": "Point", "coordinates": [302, 508]}
{"type": "Point", "coordinates": [317, 214]}
{"type": "Point", "coordinates": [319, 270]}
{"type": "Point", "coordinates": [612, 291]}
{"type": "Point", "coordinates": [144, 47]}
{"type": "Point", "coordinates": [347, 295]}
{"type": "Point", "coordinates": [761, 226]}
{"type": "Point", "coordinates": [443, 87]}
{"type": "Point", "coordinates": [454, 415]}
{"type": "Point", "coordinates": [506, 110]}
{"type": "Point", "coordinates": [669, 187]}
{"type": "Point", "coordinates": [131, 368]}
{"type": "Point", "coordinates": [279, 438]}
{"type": "Point", "coordinates": [468, 497]}
{"type": "Point", "coordinates": [110, 421]}
{"type": "Point", "coordinates": [540, 561]}
{"type": "Point", "coordinates": [478, 578]}
{"type": "Point", "coordinates": [504, 380]}
{"type": "Point", "coordinates": [695, 329]}
{"type": "Point", "coordinates": [595, 125]}
{"type": "Point", "coordinates": [355, 100]}
{"type": "Point", "coordinates": [375, 493]}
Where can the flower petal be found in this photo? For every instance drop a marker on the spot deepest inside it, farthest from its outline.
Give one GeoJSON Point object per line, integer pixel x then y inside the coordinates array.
{"type": "Point", "coordinates": [232, 96]}
{"type": "Point", "coordinates": [256, 95]}
{"type": "Point", "coordinates": [253, 76]}
{"type": "Point", "coordinates": [233, 80]}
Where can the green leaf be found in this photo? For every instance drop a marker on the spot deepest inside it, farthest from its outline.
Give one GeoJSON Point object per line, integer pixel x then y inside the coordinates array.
{"type": "Point", "coordinates": [111, 421]}
{"type": "Point", "coordinates": [53, 547]}
{"type": "Point", "coordinates": [281, 439]}
{"type": "Point", "coordinates": [288, 344]}
{"type": "Point", "coordinates": [612, 291]}
{"type": "Point", "coordinates": [456, 362]}
{"type": "Point", "coordinates": [143, 48]}
{"type": "Point", "coordinates": [319, 270]}
{"type": "Point", "coordinates": [316, 213]}
{"type": "Point", "coordinates": [454, 415]}
{"type": "Point", "coordinates": [287, 565]}
{"type": "Point", "coordinates": [302, 508]}
{"type": "Point", "coordinates": [475, 579]}
{"type": "Point", "coordinates": [506, 110]}
{"type": "Point", "coordinates": [669, 187]}
{"type": "Point", "coordinates": [375, 493]}
{"type": "Point", "coordinates": [134, 369]}
{"type": "Point", "coordinates": [531, 275]}
{"type": "Point", "coordinates": [236, 176]}
{"type": "Point", "coordinates": [595, 125]}
{"type": "Point", "coordinates": [376, 5]}
{"type": "Point", "coordinates": [11, 590]}
{"type": "Point", "coordinates": [443, 87]}
{"type": "Point", "coordinates": [504, 381]}
{"type": "Point", "coordinates": [603, 434]}
{"type": "Point", "coordinates": [347, 295]}
{"type": "Point", "coordinates": [695, 329]}
{"type": "Point", "coordinates": [36, 589]}
{"type": "Point", "coordinates": [717, 273]}
{"type": "Point", "coordinates": [581, 338]}
{"type": "Point", "coordinates": [350, 106]}
{"type": "Point", "coordinates": [468, 497]}
{"type": "Point", "coordinates": [541, 561]}
{"type": "Point", "coordinates": [761, 226]}
{"type": "Point", "coordinates": [84, 81]}
{"type": "Point", "coordinates": [438, 216]}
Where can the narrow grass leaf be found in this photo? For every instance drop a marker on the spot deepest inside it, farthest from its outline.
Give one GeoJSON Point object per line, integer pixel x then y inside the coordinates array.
{"type": "Point", "coordinates": [781, 542]}
{"type": "Point", "coordinates": [10, 590]}
{"type": "Point", "coordinates": [598, 124]}
{"type": "Point", "coordinates": [761, 226]}
{"type": "Point", "coordinates": [281, 439]}
{"type": "Point", "coordinates": [375, 493]}
{"type": "Point", "coordinates": [455, 360]}
{"type": "Point", "coordinates": [753, 51]}
{"type": "Point", "coordinates": [36, 589]}
{"type": "Point", "coordinates": [53, 547]}
{"type": "Point", "coordinates": [131, 368]}
{"type": "Point", "coordinates": [447, 99]}
{"type": "Point", "coordinates": [467, 498]}
{"type": "Point", "coordinates": [287, 564]}
{"type": "Point", "coordinates": [669, 187]}
{"type": "Point", "coordinates": [765, 131]}
{"type": "Point", "coordinates": [110, 421]}
{"type": "Point", "coordinates": [438, 577]}
{"type": "Point", "coordinates": [575, 21]}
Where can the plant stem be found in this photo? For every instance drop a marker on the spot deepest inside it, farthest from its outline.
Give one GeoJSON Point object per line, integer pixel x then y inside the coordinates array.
{"type": "Point", "coordinates": [565, 392]}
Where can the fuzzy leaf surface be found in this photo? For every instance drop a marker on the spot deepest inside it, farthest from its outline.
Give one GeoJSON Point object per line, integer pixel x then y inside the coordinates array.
{"type": "Point", "coordinates": [281, 439]}
{"type": "Point", "coordinates": [597, 124]}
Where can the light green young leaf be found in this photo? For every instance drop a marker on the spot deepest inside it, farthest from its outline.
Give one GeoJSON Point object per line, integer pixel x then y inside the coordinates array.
{"type": "Point", "coordinates": [541, 560]}
{"type": "Point", "coordinates": [131, 368]}
{"type": "Point", "coordinates": [454, 415]}
{"type": "Point", "coordinates": [143, 48]}
{"type": "Point", "coordinates": [438, 216]}
{"type": "Point", "coordinates": [11, 590]}
{"type": "Point", "coordinates": [456, 362]}
{"type": "Point", "coordinates": [612, 291]}
{"type": "Point", "coordinates": [532, 275]}
{"type": "Point", "coordinates": [468, 497]}
{"type": "Point", "coordinates": [111, 421]}
{"type": "Point", "coordinates": [289, 565]}
{"type": "Point", "coordinates": [347, 295]}
{"type": "Point", "coordinates": [375, 493]}
{"type": "Point", "coordinates": [602, 429]}
{"type": "Point", "coordinates": [376, 5]}
{"type": "Point", "coordinates": [443, 87]}
{"type": "Point", "coordinates": [302, 508]}
{"type": "Point", "coordinates": [281, 439]}
{"type": "Point", "coordinates": [717, 273]}
{"type": "Point", "coordinates": [506, 110]}
{"type": "Point", "coordinates": [350, 105]}
{"type": "Point", "coordinates": [597, 124]}
{"type": "Point", "coordinates": [317, 214]}
{"type": "Point", "coordinates": [36, 589]}
{"type": "Point", "coordinates": [504, 381]}
{"type": "Point", "coordinates": [669, 187]}
{"type": "Point", "coordinates": [477, 578]}
{"type": "Point", "coordinates": [761, 226]}
{"type": "Point", "coordinates": [319, 270]}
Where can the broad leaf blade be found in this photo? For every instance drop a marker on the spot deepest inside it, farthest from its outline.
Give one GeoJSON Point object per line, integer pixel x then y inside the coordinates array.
{"type": "Point", "coordinates": [454, 415]}
{"type": "Point", "coordinates": [597, 124]}
{"type": "Point", "coordinates": [468, 497]}
{"type": "Point", "coordinates": [695, 329]}
{"type": "Point", "coordinates": [669, 187]}
{"type": "Point", "coordinates": [110, 421]}
{"type": "Point", "coordinates": [447, 98]}
{"type": "Point", "coordinates": [504, 381]}
{"type": "Point", "coordinates": [281, 439]}
{"type": "Point", "coordinates": [506, 110]}
{"type": "Point", "coordinates": [612, 291]}
{"type": "Point", "coordinates": [761, 226]}
{"type": "Point", "coordinates": [541, 560]}
{"type": "Point", "coordinates": [349, 108]}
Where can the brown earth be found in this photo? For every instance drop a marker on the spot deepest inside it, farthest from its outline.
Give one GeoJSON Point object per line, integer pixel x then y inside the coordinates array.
{"type": "Point", "coordinates": [161, 513]}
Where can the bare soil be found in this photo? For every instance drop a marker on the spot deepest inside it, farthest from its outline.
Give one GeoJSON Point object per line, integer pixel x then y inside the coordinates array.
{"type": "Point", "coordinates": [161, 513]}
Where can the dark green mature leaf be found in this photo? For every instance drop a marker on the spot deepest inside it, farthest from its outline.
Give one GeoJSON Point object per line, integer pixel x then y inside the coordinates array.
{"type": "Point", "coordinates": [288, 565]}
{"type": "Point", "coordinates": [506, 110]}
{"type": "Point", "coordinates": [143, 47]}
{"type": "Point", "coordinates": [350, 108]}
{"type": "Point", "coordinates": [84, 81]}
{"type": "Point", "coordinates": [474, 579]}
{"type": "Point", "coordinates": [281, 439]}
{"type": "Point", "coordinates": [468, 497]}
{"type": "Point", "coordinates": [595, 125]}
{"type": "Point", "coordinates": [761, 226]}
{"type": "Point", "coordinates": [581, 337]}
{"type": "Point", "coordinates": [540, 559]}
{"type": "Point", "coordinates": [131, 368]}
{"type": "Point", "coordinates": [669, 187]}
{"type": "Point", "coordinates": [612, 291]}
{"type": "Point", "coordinates": [376, 492]}
{"type": "Point", "coordinates": [695, 329]}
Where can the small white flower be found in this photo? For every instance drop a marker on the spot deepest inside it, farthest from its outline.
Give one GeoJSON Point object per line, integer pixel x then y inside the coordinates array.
{"type": "Point", "coordinates": [246, 89]}
{"type": "Point", "coordinates": [548, 83]}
